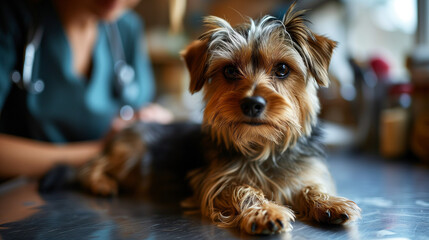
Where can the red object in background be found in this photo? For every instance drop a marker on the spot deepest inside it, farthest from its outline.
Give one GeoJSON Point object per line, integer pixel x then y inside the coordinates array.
{"type": "Point", "coordinates": [381, 67]}
{"type": "Point", "coordinates": [403, 88]}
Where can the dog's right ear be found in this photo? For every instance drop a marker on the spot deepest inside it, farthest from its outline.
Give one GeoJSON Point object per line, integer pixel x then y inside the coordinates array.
{"type": "Point", "coordinates": [195, 56]}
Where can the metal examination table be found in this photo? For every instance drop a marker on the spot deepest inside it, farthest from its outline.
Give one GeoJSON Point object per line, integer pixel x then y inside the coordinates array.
{"type": "Point", "coordinates": [393, 195]}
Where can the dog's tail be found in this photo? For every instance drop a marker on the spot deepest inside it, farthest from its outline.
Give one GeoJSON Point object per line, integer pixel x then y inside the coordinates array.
{"type": "Point", "coordinates": [60, 177]}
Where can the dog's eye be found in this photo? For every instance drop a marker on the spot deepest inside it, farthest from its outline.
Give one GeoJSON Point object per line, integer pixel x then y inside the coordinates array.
{"type": "Point", "coordinates": [230, 72]}
{"type": "Point", "coordinates": [281, 70]}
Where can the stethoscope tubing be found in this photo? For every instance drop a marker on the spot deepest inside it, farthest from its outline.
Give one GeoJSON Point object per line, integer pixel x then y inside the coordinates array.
{"type": "Point", "coordinates": [24, 81]}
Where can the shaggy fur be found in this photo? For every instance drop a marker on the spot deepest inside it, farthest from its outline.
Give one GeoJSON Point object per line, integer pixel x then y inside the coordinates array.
{"type": "Point", "coordinates": [256, 171]}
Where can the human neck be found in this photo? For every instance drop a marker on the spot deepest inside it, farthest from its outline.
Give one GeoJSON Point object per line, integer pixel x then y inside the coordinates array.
{"type": "Point", "coordinates": [80, 26]}
{"type": "Point", "coordinates": [75, 17]}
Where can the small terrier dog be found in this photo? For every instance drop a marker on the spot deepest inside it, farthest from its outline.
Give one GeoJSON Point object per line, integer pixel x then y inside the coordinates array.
{"type": "Point", "coordinates": [258, 158]}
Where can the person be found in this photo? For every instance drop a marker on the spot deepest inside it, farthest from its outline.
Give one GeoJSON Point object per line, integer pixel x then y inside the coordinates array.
{"type": "Point", "coordinates": [66, 111]}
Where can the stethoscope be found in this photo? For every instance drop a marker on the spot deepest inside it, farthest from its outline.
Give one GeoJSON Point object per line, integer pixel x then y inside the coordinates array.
{"type": "Point", "coordinates": [124, 73]}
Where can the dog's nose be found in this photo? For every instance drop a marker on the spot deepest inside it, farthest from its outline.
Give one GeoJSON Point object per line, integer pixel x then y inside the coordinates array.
{"type": "Point", "coordinates": [253, 106]}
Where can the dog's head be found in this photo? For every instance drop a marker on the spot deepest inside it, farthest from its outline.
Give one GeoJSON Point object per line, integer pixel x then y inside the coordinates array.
{"type": "Point", "coordinates": [259, 81]}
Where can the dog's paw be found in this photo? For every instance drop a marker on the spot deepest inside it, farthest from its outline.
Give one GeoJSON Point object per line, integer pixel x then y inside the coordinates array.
{"type": "Point", "coordinates": [102, 185]}
{"type": "Point", "coordinates": [269, 218]}
{"type": "Point", "coordinates": [336, 210]}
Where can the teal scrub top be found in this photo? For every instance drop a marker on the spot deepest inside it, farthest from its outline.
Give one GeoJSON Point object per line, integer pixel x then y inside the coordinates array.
{"type": "Point", "coordinates": [71, 107]}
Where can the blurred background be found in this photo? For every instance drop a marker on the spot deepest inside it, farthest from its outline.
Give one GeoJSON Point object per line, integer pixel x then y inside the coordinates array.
{"type": "Point", "coordinates": [378, 100]}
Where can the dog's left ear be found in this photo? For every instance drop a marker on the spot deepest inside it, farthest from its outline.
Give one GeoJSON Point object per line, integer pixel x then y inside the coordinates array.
{"type": "Point", "coordinates": [320, 50]}
{"type": "Point", "coordinates": [316, 50]}
{"type": "Point", "coordinates": [195, 56]}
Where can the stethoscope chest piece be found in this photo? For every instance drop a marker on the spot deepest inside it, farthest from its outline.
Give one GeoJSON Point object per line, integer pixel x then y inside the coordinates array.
{"type": "Point", "coordinates": [126, 112]}
{"type": "Point", "coordinates": [34, 87]}
{"type": "Point", "coordinates": [124, 72]}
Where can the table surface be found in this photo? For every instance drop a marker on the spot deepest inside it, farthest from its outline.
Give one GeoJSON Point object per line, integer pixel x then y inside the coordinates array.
{"type": "Point", "coordinates": [393, 196]}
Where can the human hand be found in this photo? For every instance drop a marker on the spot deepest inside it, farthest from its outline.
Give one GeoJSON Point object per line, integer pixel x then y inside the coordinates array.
{"type": "Point", "coordinates": [150, 113]}
{"type": "Point", "coordinates": [155, 113]}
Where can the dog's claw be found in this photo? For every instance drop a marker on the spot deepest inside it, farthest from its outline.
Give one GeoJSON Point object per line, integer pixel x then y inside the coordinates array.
{"type": "Point", "coordinates": [280, 223]}
{"type": "Point", "coordinates": [328, 213]}
{"type": "Point", "coordinates": [344, 216]}
{"type": "Point", "coordinates": [271, 226]}
{"type": "Point", "coordinates": [254, 226]}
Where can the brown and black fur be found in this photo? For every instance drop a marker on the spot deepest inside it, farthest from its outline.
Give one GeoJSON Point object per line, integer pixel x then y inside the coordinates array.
{"type": "Point", "coordinates": [253, 171]}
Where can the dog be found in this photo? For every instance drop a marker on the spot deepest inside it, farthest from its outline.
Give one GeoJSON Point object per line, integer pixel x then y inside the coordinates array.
{"type": "Point", "coordinates": [256, 161]}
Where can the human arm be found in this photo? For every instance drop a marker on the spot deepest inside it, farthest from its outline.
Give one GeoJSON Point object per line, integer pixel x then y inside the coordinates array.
{"type": "Point", "coordinates": [21, 156]}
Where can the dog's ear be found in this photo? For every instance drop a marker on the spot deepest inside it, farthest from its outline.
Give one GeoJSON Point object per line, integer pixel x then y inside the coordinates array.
{"type": "Point", "coordinates": [316, 50]}
{"type": "Point", "coordinates": [195, 56]}
{"type": "Point", "coordinates": [320, 50]}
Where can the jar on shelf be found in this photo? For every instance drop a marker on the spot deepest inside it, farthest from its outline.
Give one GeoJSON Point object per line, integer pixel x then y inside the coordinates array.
{"type": "Point", "coordinates": [395, 119]}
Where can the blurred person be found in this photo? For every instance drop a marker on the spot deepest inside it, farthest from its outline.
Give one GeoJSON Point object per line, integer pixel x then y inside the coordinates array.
{"type": "Point", "coordinates": [71, 74]}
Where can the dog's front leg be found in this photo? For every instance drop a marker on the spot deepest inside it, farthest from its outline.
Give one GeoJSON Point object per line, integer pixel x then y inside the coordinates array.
{"type": "Point", "coordinates": [247, 208]}
{"type": "Point", "coordinates": [313, 204]}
